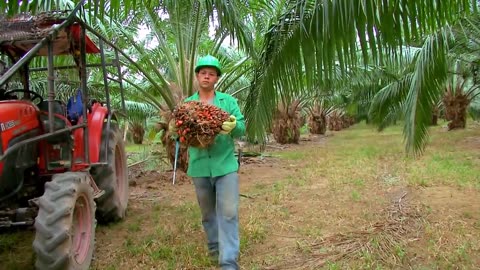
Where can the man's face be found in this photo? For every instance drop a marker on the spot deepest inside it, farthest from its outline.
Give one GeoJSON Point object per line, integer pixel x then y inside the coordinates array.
{"type": "Point", "coordinates": [207, 77]}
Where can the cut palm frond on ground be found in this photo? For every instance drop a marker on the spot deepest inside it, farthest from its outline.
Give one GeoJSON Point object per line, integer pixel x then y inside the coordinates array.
{"type": "Point", "coordinates": [401, 221]}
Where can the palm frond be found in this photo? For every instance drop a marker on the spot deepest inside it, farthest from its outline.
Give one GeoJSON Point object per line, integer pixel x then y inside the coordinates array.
{"type": "Point", "coordinates": [431, 71]}
{"type": "Point", "coordinates": [388, 104]}
{"type": "Point", "coordinates": [139, 111]}
{"type": "Point", "coordinates": [312, 38]}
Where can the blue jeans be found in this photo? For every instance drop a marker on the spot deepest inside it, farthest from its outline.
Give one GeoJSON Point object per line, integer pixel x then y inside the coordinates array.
{"type": "Point", "coordinates": [218, 199]}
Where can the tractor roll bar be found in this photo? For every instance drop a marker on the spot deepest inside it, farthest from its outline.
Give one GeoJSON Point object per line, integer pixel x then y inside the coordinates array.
{"type": "Point", "coordinates": [120, 78]}
{"type": "Point", "coordinates": [51, 84]}
{"type": "Point", "coordinates": [30, 54]}
{"type": "Point", "coordinates": [46, 41]}
{"type": "Point", "coordinates": [71, 67]}
{"type": "Point", "coordinates": [83, 83]}
{"type": "Point", "coordinates": [117, 50]}
{"type": "Point", "coordinates": [107, 92]}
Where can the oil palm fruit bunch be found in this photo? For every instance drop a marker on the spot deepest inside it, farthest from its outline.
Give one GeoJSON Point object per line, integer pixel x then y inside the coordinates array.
{"type": "Point", "coordinates": [198, 123]}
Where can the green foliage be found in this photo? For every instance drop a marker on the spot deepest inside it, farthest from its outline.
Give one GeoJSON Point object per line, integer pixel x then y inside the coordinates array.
{"type": "Point", "coordinates": [474, 109]}
{"type": "Point", "coordinates": [311, 40]}
{"type": "Point", "coordinates": [282, 49]}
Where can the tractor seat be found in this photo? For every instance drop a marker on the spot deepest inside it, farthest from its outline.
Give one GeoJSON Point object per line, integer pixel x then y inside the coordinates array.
{"type": "Point", "coordinates": [58, 123]}
{"type": "Point", "coordinates": [59, 111]}
{"type": "Point", "coordinates": [58, 107]}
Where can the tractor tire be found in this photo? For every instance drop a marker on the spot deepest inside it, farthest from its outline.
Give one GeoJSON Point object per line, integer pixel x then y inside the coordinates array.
{"type": "Point", "coordinates": [112, 178]}
{"type": "Point", "coordinates": [65, 224]}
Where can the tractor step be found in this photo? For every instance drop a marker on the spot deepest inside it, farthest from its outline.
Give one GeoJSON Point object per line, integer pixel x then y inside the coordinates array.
{"type": "Point", "coordinates": [59, 164]}
{"type": "Point", "coordinates": [17, 217]}
{"type": "Point", "coordinates": [97, 192]}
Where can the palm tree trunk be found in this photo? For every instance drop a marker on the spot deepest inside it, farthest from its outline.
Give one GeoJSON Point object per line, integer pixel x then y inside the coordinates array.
{"type": "Point", "coordinates": [456, 109]}
{"type": "Point", "coordinates": [345, 122]}
{"type": "Point", "coordinates": [435, 114]}
{"type": "Point", "coordinates": [317, 123]}
{"type": "Point", "coordinates": [286, 124]}
{"type": "Point", "coordinates": [335, 122]}
{"type": "Point", "coordinates": [138, 131]}
{"type": "Point", "coordinates": [286, 130]}
{"type": "Point", "coordinates": [138, 136]}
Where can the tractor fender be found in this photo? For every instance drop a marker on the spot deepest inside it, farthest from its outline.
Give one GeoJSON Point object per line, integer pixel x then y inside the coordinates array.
{"type": "Point", "coordinates": [95, 128]}
{"type": "Point", "coordinates": [95, 123]}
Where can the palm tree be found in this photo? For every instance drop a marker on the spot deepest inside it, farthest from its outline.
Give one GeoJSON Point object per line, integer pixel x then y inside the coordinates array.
{"type": "Point", "coordinates": [459, 93]}
{"type": "Point", "coordinates": [287, 117]}
{"type": "Point", "coordinates": [442, 73]}
{"type": "Point", "coordinates": [163, 74]}
{"type": "Point", "coordinates": [287, 122]}
{"type": "Point", "coordinates": [317, 119]}
{"type": "Point", "coordinates": [137, 115]}
{"type": "Point", "coordinates": [312, 38]}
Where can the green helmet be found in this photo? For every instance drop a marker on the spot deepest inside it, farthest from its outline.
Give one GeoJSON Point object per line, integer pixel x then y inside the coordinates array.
{"type": "Point", "coordinates": [209, 61]}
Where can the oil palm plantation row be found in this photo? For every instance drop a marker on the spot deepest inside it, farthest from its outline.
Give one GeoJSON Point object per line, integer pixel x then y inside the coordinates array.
{"type": "Point", "coordinates": [441, 75]}
{"type": "Point", "coordinates": [310, 41]}
{"type": "Point", "coordinates": [289, 47]}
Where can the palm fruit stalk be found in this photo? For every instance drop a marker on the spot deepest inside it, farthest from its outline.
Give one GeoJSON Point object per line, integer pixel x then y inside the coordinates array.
{"type": "Point", "coordinates": [198, 123]}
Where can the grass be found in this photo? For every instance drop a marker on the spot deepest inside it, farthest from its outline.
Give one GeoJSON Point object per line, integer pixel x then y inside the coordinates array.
{"type": "Point", "coordinates": [152, 153]}
{"type": "Point", "coordinates": [453, 166]}
{"type": "Point", "coordinates": [446, 168]}
{"type": "Point", "coordinates": [168, 245]}
{"type": "Point", "coordinates": [322, 190]}
{"type": "Point", "coordinates": [356, 162]}
{"type": "Point", "coordinates": [137, 152]}
{"type": "Point", "coordinates": [291, 155]}
{"type": "Point", "coordinates": [12, 244]}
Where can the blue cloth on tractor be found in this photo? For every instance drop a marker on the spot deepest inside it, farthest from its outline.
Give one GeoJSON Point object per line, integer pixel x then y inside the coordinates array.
{"type": "Point", "coordinates": [75, 107]}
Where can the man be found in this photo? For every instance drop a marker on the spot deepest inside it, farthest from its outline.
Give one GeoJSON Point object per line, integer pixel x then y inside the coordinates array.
{"type": "Point", "coordinates": [214, 170]}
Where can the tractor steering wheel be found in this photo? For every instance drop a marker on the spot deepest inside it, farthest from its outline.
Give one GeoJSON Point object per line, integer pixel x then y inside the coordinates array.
{"type": "Point", "coordinates": [35, 95]}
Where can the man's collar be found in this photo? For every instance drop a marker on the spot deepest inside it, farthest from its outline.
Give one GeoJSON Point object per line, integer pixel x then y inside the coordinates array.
{"type": "Point", "coordinates": [216, 97]}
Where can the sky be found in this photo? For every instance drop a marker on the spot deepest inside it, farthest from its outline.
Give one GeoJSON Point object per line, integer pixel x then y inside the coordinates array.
{"type": "Point", "coordinates": [144, 31]}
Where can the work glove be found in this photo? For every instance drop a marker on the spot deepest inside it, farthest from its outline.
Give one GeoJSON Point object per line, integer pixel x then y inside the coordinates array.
{"type": "Point", "coordinates": [229, 125]}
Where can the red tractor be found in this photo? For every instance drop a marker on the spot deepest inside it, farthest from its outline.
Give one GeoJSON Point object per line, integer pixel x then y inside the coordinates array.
{"type": "Point", "coordinates": [62, 164]}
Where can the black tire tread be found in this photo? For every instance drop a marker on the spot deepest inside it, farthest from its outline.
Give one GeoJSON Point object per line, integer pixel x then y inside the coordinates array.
{"type": "Point", "coordinates": [110, 207]}
{"type": "Point", "coordinates": [53, 224]}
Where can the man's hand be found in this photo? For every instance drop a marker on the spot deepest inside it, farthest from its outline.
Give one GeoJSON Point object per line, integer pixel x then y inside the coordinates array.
{"type": "Point", "coordinates": [229, 125]}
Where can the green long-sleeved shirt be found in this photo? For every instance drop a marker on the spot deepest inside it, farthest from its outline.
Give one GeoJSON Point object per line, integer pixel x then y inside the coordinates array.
{"type": "Point", "coordinates": [218, 159]}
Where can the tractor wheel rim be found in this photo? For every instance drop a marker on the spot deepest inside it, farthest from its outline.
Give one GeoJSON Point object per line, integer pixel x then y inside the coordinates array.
{"type": "Point", "coordinates": [119, 172]}
{"type": "Point", "coordinates": [82, 229]}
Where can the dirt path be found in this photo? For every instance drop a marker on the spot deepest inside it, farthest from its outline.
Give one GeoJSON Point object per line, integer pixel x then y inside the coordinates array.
{"type": "Point", "coordinates": [290, 203]}
{"type": "Point", "coordinates": [332, 202]}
